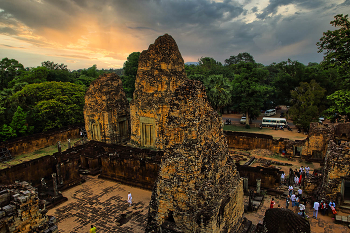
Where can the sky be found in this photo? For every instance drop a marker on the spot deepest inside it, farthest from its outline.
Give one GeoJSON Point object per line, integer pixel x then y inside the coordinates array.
{"type": "Point", "coordinates": [81, 33]}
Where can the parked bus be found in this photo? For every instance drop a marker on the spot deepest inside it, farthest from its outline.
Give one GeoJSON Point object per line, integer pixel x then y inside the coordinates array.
{"type": "Point", "coordinates": [270, 112]}
{"type": "Point", "coordinates": [272, 122]}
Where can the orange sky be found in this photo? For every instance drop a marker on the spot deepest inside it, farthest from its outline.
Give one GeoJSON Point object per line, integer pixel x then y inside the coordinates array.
{"type": "Point", "coordinates": [80, 33]}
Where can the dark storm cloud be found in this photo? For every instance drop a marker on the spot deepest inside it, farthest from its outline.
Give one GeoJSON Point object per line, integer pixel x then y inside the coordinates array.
{"type": "Point", "coordinates": [274, 4]}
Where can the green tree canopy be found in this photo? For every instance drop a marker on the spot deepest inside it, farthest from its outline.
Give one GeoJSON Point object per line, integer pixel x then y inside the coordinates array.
{"type": "Point", "coordinates": [339, 104]}
{"type": "Point", "coordinates": [241, 57]}
{"type": "Point", "coordinates": [130, 71]}
{"type": "Point", "coordinates": [51, 104]}
{"type": "Point", "coordinates": [307, 100]}
{"type": "Point", "coordinates": [336, 47]}
{"type": "Point", "coordinates": [9, 69]}
{"type": "Point", "coordinates": [218, 91]}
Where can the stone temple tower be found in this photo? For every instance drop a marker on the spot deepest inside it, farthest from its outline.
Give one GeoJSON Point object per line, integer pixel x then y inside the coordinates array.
{"type": "Point", "coordinates": [106, 110]}
{"type": "Point", "coordinates": [160, 72]}
{"type": "Point", "coordinates": [198, 188]}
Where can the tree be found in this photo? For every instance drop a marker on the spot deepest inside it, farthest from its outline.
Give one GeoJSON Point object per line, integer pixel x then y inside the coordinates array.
{"type": "Point", "coordinates": [9, 69]}
{"type": "Point", "coordinates": [19, 123]}
{"type": "Point", "coordinates": [34, 75]}
{"type": "Point", "coordinates": [307, 100]}
{"type": "Point", "coordinates": [340, 104]}
{"type": "Point", "coordinates": [218, 91]}
{"type": "Point", "coordinates": [249, 91]}
{"type": "Point", "coordinates": [130, 71]}
{"type": "Point", "coordinates": [336, 47]}
{"type": "Point", "coordinates": [241, 57]}
{"type": "Point", "coordinates": [6, 132]}
{"type": "Point", "coordinates": [51, 104]}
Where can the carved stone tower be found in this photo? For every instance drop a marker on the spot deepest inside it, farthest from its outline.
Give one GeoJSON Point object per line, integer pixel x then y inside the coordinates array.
{"type": "Point", "coordinates": [106, 110]}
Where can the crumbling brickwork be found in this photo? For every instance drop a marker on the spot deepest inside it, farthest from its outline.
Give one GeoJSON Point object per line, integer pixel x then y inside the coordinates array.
{"type": "Point", "coordinates": [160, 71]}
{"type": "Point", "coordinates": [336, 170]}
{"type": "Point", "coordinates": [316, 144]}
{"type": "Point", "coordinates": [198, 188]}
{"type": "Point", "coordinates": [106, 110]}
{"type": "Point", "coordinates": [21, 210]}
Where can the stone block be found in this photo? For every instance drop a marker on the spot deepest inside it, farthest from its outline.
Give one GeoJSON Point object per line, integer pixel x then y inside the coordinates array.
{"type": "Point", "coordinates": [9, 209]}
{"type": "Point", "coordinates": [2, 214]}
{"type": "Point", "coordinates": [344, 219]}
{"type": "Point", "coordinates": [4, 198]}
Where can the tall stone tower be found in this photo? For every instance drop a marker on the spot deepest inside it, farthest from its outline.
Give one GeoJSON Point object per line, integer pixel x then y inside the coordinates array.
{"type": "Point", "coordinates": [106, 110]}
{"type": "Point", "coordinates": [160, 71]}
{"type": "Point", "coordinates": [198, 188]}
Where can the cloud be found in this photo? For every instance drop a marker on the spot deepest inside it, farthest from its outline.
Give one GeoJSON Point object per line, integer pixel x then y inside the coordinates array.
{"type": "Point", "coordinates": [108, 31]}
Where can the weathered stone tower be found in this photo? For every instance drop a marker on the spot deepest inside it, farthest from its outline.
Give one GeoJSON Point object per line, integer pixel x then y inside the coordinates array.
{"type": "Point", "coordinates": [160, 71]}
{"type": "Point", "coordinates": [198, 188]}
{"type": "Point", "coordinates": [106, 110]}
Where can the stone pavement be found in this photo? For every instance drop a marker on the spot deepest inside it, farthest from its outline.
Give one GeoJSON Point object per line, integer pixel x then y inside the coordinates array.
{"type": "Point", "coordinates": [103, 204]}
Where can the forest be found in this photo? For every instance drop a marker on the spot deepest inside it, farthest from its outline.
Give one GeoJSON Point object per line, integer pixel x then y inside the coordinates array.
{"type": "Point", "coordinates": [51, 96]}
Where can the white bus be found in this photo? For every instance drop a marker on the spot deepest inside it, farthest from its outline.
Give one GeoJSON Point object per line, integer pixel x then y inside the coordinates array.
{"type": "Point", "coordinates": [270, 112]}
{"type": "Point", "coordinates": [272, 122]}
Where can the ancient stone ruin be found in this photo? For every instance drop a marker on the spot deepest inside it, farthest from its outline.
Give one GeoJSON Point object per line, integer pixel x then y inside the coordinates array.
{"type": "Point", "coordinates": [106, 110]}
{"type": "Point", "coordinates": [22, 211]}
{"type": "Point", "coordinates": [160, 72]}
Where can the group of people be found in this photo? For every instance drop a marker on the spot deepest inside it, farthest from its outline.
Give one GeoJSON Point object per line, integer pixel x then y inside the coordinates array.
{"type": "Point", "coordinates": [297, 174]}
{"type": "Point", "coordinates": [324, 208]}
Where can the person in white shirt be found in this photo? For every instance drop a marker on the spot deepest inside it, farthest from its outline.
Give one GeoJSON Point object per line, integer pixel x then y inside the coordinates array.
{"type": "Point", "coordinates": [282, 178]}
{"type": "Point", "coordinates": [302, 210]}
{"type": "Point", "coordinates": [293, 199]}
{"type": "Point", "coordinates": [290, 189]}
{"type": "Point", "coordinates": [129, 198]}
{"type": "Point", "coordinates": [316, 205]}
{"type": "Point", "coordinates": [300, 192]}
{"type": "Point", "coordinates": [307, 170]}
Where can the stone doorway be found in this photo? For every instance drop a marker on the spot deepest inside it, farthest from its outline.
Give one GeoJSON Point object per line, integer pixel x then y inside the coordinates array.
{"type": "Point", "coordinates": [346, 190]}
{"type": "Point", "coordinates": [147, 134]}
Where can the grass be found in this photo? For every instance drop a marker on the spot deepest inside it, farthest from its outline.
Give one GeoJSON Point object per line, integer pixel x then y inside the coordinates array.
{"type": "Point", "coordinates": [242, 128]}
{"type": "Point", "coordinates": [36, 154]}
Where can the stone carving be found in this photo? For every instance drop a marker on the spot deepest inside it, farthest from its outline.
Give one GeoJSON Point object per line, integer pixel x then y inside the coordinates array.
{"type": "Point", "coordinates": [106, 110]}
{"type": "Point", "coordinates": [198, 188]}
{"type": "Point", "coordinates": [54, 182]}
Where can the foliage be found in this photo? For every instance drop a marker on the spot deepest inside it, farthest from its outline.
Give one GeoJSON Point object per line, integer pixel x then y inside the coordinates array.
{"type": "Point", "coordinates": [307, 100]}
{"type": "Point", "coordinates": [6, 132]}
{"type": "Point", "coordinates": [130, 71]}
{"type": "Point", "coordinates": [249, 89]}
{"type": "Point", "coordinates": [336, 47]}
{"type": "Point", "coordinates": [9, 69]}
{"type": "Point", "coordinates": [340, 104]}
{"type": "Point", "coordinates": [241, 57]}
{"type": "Point", "coordinates": [218, 90]}
{"type": "Point", "coordinates": [51, 104]}
{"type": "Point", "coordinates": [19, 123]}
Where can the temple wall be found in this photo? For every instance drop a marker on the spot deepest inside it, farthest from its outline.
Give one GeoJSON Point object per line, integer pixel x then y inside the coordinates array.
{"type": "Point", "coordinates": [35, 142]}
{"type": "Point", "coordinates": [270, 177]}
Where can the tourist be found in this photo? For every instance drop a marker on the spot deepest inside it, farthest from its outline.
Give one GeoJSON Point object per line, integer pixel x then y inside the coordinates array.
{"type": "Point", "coordinates": [323, 207]}
{"type": "Point", "coordinates": [332, 204]}
{"type": "Point", "coordinates": [300, 192]}
{"type": "Point", "coordinates": [282, 178]}
{"type": "Point", "coordinates": [301, 169]}
{"type": "Point", "coordinates": [307, 170]}
{"type": "Point", "coordinates": [129, 198]}
{"type": "Point", "coordinates": [302, 210]}
{"type": "Point", "coordinates": [272, 203]}
{"type": "Point", "coordinates": [290, 189]}
{"type": "Point", "coordinates": [296, 180]}
{"type": "Point", "coordinates": [287, 201]}
{"type": "Point", "coordinates": [293, 198]}
{"type": "Point", "coordinates": [93, 229]}
{"type": "Point", "coordinates": [316, 205]}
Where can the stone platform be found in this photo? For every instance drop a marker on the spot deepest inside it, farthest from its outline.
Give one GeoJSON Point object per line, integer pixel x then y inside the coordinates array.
{"type": "Point", "coordinates": [103, 204]}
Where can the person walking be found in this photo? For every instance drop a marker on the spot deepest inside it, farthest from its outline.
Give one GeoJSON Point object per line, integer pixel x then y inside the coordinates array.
{"type": "Point", "coordinates": [287, 201]}
{"type": "Point", "coordinates": [93, 229]}
{"type": "Point", "coordinates": [307, 170]}
{"type": "Point", "coordinates": [293, 198]}
{"type": "Point", "coordinates": [129, 198]}
{"type": "Point", "coordinates": [300, 192]}
{"type": "Point", "coordinates": [290, 189]}
{"type": "Point", "coordinates": [272, 203]}
{"type": "Point", "coordinates": [282, 178]}
{"type": "Point", "coordinates": [316, 205]}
